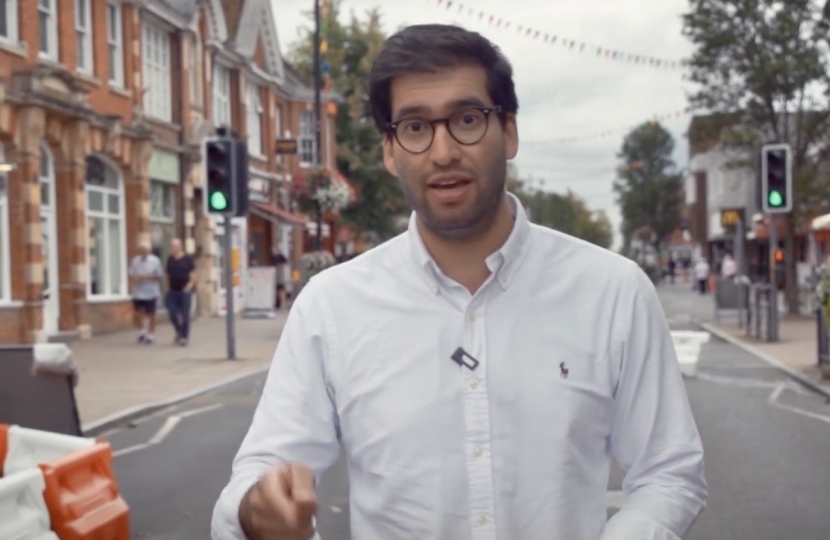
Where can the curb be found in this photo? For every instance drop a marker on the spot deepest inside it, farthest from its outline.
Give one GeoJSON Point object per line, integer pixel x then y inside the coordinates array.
{"type": "Point", "coordinates": [800, 377]}
{"type": "Point", "coordinates": [127, 415]}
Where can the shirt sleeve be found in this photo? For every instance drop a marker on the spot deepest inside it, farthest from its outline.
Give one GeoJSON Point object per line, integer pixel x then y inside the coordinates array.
{"type": "Point", "coordinates": [295, 420]}
{"type": "Point", "coordinates": [654, 437]}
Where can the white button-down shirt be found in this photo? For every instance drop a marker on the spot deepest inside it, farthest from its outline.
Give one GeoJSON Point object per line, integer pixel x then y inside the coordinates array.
{"type": "Point", "coordinates": [576, 367]}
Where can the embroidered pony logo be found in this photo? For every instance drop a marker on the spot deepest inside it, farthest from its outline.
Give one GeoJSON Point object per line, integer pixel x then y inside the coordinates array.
{"type": "Point", "coordinates": [563, 370]}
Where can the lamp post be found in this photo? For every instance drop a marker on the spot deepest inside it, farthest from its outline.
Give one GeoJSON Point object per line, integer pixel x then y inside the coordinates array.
{"type": "Point", "coordinates": [318, 82]}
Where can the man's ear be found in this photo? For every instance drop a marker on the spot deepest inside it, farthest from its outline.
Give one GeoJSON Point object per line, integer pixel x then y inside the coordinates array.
{"type": "Point", "coordinates": [388, 159]}
{"type": "Point", "coordinates": [511, 136]}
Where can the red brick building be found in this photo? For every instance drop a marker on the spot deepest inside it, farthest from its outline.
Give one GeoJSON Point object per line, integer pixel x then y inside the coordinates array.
{"type": "Point", "coordinates": [103, 108]}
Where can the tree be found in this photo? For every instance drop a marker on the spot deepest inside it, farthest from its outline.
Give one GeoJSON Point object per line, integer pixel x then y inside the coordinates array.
{"type": "Point", "coordinates": [351, 50]}
{"type": "Point", "coordinates": [648, 187]}
{"type": "Point", "coordinates": [567, 213]}
{"type": "Point", "coordinates": [762, 67]}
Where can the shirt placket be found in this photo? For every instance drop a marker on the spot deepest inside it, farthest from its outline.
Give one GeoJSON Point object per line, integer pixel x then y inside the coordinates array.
{"type": "Point", "coordinates": [477, 423]}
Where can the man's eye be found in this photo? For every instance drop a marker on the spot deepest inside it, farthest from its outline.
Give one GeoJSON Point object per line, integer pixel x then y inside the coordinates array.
{"type": "Point", "coordinates": [414, 126]}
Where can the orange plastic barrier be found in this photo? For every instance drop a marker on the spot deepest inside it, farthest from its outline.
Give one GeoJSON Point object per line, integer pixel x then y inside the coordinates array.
{"type": "Point", "coordinates": [82, 496]}
{"type": "Point", "coordinates": [4, 445]}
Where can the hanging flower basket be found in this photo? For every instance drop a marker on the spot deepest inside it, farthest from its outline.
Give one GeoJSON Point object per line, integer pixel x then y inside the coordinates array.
{"type": "Point", "coordinates": [319, 187]}
{"type": "Point", "coordinates": [315, 262]}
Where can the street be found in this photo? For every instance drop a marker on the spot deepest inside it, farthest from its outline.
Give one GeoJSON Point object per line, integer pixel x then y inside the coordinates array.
{"type": "Point", "coordinates": [766, 440]}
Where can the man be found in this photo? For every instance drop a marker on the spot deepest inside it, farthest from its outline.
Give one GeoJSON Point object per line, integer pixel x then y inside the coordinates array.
{"type": "Point", "coordinates": [146, 273]}
{"type": "Point", "coordinates": [702, 271]}
{"type": "Point", "coordinates": [181, 280]}
{"type": "Point", "coordinates": [478, 372]}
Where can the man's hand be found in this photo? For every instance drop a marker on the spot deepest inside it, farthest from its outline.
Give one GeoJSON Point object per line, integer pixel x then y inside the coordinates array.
{"type": "Point", "coordinates": [281, 505]}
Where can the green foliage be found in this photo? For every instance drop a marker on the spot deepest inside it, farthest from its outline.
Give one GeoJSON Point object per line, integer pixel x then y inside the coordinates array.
{"type": "Point", "coordinates": [648, 187]}
{"type": "Point", "coordinates": [566, 213]}
{"type": "Point", "coordinates": [352, 48]}
{"type": "Point", "coordinates": [761, 66]}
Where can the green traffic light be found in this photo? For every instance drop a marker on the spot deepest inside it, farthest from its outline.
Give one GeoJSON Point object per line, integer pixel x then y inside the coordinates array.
{"type": "Point", "coordinates": [775, 198]}
{"type": "Point", "coordinates": [218, 201]}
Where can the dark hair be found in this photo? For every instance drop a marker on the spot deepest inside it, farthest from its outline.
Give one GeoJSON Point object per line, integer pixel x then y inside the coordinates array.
{"type": "Point", "coordinates": [428, 48]}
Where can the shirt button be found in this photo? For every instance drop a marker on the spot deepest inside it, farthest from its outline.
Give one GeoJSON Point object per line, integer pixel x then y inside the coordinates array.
{"type": "Point", "coordinates": [482, 519]}
{"type": "Point", "coordinates": [472, 317]}
{"type": "Point", "coordinates": [478, 451]}
{"type": "Point", "coordinates": [474, 383]}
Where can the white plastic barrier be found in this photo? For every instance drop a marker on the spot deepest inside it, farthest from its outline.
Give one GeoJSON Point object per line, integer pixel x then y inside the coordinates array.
{"type": "Point", "coordinates": [27, 448]}
{"type": "Point", "coordinates": [23, 512]}
{"type": "Point", "coordinates": [687, 345]}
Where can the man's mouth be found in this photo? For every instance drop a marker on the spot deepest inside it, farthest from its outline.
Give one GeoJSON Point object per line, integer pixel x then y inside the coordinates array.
{"type": "Point", "coordinates": [449, 183]}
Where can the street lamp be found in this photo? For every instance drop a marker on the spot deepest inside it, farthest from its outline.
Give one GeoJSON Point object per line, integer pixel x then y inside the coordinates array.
{"type": "Point", "coordinates": [318, 82]}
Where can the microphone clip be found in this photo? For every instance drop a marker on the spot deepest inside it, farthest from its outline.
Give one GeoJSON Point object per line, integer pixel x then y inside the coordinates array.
{"type": "Point", "coordinates": [463, 359]}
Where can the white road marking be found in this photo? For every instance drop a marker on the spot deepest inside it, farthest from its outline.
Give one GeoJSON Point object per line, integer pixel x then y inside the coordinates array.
{"type": "Point", "coordinates": [773, 400]}
{"type": "Point", "coordinates": [169, 425]}
{"type": "Point", "coordinates": [130, 449]}
{"type": "Point", "coordinates": [615, 499]}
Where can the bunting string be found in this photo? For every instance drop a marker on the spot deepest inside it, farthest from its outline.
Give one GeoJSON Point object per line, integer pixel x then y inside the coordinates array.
{"type": "Point", "coordinates": [599, 135]}
{"type": "Point", "coordinates": [568, 44]}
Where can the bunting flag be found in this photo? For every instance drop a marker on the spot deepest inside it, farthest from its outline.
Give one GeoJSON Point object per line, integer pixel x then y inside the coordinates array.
{"type": "Point", "coordinates": [563, 42]}
{"type": "Point", "coordinates": [608, 132]}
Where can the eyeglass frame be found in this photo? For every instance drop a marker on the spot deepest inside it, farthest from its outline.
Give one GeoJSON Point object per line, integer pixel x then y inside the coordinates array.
{"type": "Point", "coordinates": [392, 127]}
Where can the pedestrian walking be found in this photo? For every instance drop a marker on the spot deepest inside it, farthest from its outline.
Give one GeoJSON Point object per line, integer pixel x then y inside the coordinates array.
{"type": "Point", "coordinates": [181, 281]}
{"type": "Point", "coordinates": [479, 372]}
{"type": "Point", "coordinates": [146, 274]}
{"type": "Point", "coordinates": [702, 272]}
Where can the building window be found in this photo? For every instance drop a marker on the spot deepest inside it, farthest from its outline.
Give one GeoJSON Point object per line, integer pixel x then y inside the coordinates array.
{"type": "Point", "coordinates": [196, 70]}
{"type": "Point", "coordinates": [307, 139]}
{"type": "Point", "coordinates": [162, 217]}
{"type": "Point", "coordinates": [5, 270]}
{"type": "Point", "coordinates": [254, 121]}
{"type": "Point", "coordinates": [83, 35]}
{"type": "Point", "coordinates": [48, 28]}
{"type": "Point", "coordinates": [156, 60]}
{"type": "Point", "coordinates": [105, 230]}
{"type": "Point", "coordinates": [278, 126]}
{"type": "Point", "coordinates": [8, 21]}
{"type": "Point", "coordinates": [221, 95]}
{"type": "Point", "coordinates": [115, 44]}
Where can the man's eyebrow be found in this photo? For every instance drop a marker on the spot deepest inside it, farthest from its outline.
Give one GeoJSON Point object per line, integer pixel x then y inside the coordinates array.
{"type": "Point", "coordinates": [422, 110]}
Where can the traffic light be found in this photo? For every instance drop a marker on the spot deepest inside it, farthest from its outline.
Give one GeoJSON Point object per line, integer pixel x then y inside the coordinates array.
{"type": "Point", "coordinates": [219, 175]}
{"type": "Point", "coordinates": [776, 179]}
{"type": "Point", "coordinates": [226, 175]}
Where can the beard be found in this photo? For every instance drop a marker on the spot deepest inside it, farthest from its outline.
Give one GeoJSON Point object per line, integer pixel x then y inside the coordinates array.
{"type": "Point", "coordinates": [468, 219]}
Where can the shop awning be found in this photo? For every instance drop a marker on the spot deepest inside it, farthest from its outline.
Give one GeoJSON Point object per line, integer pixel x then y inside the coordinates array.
{"type": "Point", "coordinates": [821, 223]}
{"type": "Point", "coordinates": [273, 212]}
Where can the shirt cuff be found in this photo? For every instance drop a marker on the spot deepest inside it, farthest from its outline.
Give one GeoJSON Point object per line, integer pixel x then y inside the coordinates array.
{"type": "Point", "coordinates": [225, 524]}
{"type": "Point", "coordinates": [635, 525]}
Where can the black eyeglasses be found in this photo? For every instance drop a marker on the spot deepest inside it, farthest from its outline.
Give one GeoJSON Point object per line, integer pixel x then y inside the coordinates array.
{"type": "Point", "coordinates": [467, 126]}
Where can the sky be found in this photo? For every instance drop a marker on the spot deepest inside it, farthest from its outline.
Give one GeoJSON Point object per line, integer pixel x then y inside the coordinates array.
{"type": "Point", "coordinates": [574, 107]}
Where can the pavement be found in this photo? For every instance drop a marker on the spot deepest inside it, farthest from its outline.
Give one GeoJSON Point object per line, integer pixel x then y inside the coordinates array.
{"type": "Point", "coordinates": [120, 379]}
{"type": "Point", "coordinates": [796, 352]}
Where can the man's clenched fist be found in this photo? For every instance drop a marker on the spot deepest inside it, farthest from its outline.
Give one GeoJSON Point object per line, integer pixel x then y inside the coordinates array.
{"type": "Point", "coordinates": [281, 506]}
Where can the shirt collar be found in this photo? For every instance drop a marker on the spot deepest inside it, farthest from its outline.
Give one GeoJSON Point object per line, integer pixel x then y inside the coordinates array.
{"type": "Point", "coordinates": [503, 263]}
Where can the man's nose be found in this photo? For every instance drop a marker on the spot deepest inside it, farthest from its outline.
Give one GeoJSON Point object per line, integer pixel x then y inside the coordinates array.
{"type": "Point", "coordinates": [444, 150]}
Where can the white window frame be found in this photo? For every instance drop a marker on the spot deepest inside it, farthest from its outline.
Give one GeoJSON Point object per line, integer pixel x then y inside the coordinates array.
{"type": "Point", "coordinates": [83, 36]}
{"type": "Point", "coordinates": [156, 70]}
{"type": "Point", "coordinates": [307, 138]}
{"type": "Point", "coordinates": [255, 112]}
{"type": "Point", "coordinates": [115, 43]}
{"type": "Point", "coordinates": [5, 252]}
{"type": "Point", "coordinates": [107, 216]}
{"type": "Point", "coordinates": [51, 51]}
{"type": "Point", "coordinates": [221, 95]}
{"type": "Point", "coordinates": [12, 35]}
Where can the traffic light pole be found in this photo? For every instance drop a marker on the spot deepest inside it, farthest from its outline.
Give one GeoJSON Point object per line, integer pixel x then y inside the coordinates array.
{"type": "Point", "coordinates": [227, 272]}
{"type": "Point", "coordinates": [773, 276]}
